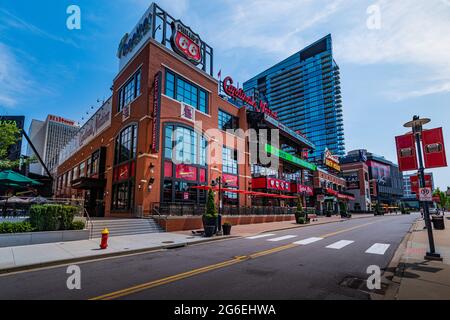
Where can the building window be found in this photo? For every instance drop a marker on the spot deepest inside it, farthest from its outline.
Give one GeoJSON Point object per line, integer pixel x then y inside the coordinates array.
{"type": "Point", "coordinates": [184, 91]}
{"type": "Point", "coordinates": [227, 121]}
{"type": "Point", "coordinates": [126, 145]}
{"type": "Point", "coordinates": [82, 171]}
{"type": "Point", "coordinates": [229, 161]}
{"type": "Point", "coordinates": [124, 169]}
{"type": "Point", "coordinates": [184, 165]}
{"type": "Point", "coordinates": [130, 91]}
{"type": "Point", "coordinates": [95, 163]}
{"type": "Point", "coordinates": [185, 146]}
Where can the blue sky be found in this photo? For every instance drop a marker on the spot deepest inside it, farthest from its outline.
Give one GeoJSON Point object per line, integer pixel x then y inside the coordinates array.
{"type": "Point", "coordinates": [388, 74]}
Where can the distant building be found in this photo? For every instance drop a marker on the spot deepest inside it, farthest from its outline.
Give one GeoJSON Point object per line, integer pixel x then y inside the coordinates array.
{"type": "Point", "coordinates": [384, 183]}
{"type": "Point", "coordinates": [305, 91]}
{"type": "Point", "coordinates": [49, 137]}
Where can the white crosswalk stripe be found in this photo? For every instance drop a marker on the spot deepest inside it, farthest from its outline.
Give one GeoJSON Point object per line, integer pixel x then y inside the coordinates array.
{"type": "Point", "coordinates": [281, 238]}
{"type": "Point", "coordinates": [308, 241]}
{"type": "Point", "coordinates": [261, 236]}
{"type": "Point", "coordinates": [378, 248]}
{"type": "Point", "coordinates": [340, 244]}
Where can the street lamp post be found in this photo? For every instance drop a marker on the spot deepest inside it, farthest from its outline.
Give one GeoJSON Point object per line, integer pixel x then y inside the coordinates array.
{"type": "Point", "coordinates": [417, 127]}
{"type": "Point", "coordinates": [219, 182]}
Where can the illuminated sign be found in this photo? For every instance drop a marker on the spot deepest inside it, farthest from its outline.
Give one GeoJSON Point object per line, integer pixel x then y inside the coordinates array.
{"type": "Point", "coordinates": [289, 157]}
{"type": "Point", "coordinates": [331, 161]}
{"type": "Point", "coordinates": [236, 93]}
{"type": "Point", "coordinates": [186, 43]}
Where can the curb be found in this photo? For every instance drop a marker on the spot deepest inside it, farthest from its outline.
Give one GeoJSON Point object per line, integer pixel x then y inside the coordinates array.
{"type": "Point", "coordinates": [393, 269]}
{"type": "Point", "coordinates": [92, 258]}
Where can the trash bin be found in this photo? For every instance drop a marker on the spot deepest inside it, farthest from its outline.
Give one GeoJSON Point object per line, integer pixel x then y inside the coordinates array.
{"type": "Point", "coordinates": [438, 223]}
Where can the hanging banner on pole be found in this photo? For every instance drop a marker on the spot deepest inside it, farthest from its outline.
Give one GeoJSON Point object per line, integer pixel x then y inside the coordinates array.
{"type": "Point", "coordinates": [433, 148]}
{"type": "Point", "coordinates": [406, 152]}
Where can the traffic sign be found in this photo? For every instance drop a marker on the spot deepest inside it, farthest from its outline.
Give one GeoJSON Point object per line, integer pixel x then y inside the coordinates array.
{"type": "Point", "coordinates": [425, 194]}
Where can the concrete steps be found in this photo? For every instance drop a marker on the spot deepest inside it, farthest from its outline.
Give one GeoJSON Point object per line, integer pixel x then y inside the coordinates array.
{"type": "Point", "coordinates": [123, 227]}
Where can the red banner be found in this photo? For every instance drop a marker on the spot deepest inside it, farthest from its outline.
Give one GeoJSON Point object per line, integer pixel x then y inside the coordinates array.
{"type": "Point", "coordinates": [433, 148]}
{"type": "Point", "coordinates": [406, 152]}
{"type": "Point", "coordinates": [231, 180]}
{"type": "Point", "coordinates": [415, 183]}
{"type": "Point", "coordinates": [186, 172]}
{"type": "Point", "coordinates": [300, 188]}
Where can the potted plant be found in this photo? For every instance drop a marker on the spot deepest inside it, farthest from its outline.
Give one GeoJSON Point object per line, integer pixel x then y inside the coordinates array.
{"type": "Point", "coordinates": [300, 216]}
{"type": "Point", "coordinates": [226, 227]}
{"type": "Point", "coordinates": [210, 216]}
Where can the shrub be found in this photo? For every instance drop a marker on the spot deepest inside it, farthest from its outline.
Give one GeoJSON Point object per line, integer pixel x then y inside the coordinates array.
{"type": "Point", "coordinates": [78, 225]}
{"type": "Point", "coordinates": [19, 227]}
{"type": "Point", "coordinates": [301, 220]}
{"type": "Point", "coordinates": [211, 211]}
{"type": "Point", "coordinates": [52, 217]}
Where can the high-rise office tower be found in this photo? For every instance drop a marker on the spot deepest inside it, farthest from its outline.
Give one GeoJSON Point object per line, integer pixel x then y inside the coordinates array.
{"type": "Point", "coordinates": [305, 91]}
{"type": "Point", "coordinates": [49, 137]}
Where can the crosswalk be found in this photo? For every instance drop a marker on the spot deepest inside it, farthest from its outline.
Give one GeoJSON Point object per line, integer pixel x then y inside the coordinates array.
{"type": "Point", "coordinates": [376, 248]}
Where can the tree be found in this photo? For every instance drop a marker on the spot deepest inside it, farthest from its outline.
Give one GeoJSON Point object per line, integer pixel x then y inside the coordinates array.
{"type": "Point", "coordinates": [211, 210]}
{"type": "Point", "coordinates": [9, 136]}
{"type": "Point", "coordinates": [444, 199]}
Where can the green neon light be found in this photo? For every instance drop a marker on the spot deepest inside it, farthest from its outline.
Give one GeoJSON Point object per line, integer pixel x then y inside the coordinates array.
{"type": "Point", "coordinates": [289, 157]}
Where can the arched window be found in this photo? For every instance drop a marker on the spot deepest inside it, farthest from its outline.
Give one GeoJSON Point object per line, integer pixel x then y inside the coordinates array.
{"type": "Point", "coordinates": [124, 169]}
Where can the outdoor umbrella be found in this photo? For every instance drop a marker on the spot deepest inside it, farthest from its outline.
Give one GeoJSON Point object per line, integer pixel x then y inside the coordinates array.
{"type": "Point", "coordinates": [11, 178]}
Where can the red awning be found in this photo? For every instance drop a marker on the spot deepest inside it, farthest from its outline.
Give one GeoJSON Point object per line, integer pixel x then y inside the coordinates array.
{"type": "Point", "coordinates": [345, 197]}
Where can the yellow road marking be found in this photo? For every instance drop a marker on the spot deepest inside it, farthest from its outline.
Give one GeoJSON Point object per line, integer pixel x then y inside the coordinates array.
{"type": "Point", "coordinates": [191, 273]}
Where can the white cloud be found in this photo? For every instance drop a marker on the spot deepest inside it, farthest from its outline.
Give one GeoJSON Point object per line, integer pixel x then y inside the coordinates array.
{"type": "Point", "coordinates": [13, 79]}
{"type": "Point", "coordinates": [413, 33]}
{"type": "Point", "coordinates": [12, 21]}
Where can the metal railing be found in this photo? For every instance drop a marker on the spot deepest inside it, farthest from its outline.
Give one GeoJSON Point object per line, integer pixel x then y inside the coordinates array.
{"type": "Point", "coordinates": [192, 209]}
{"type": "Point", "coordinates": [89, 223]}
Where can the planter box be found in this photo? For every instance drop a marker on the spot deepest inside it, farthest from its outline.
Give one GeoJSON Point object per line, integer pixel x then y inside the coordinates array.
{"type": "Point", "coordinates": [28, 238]}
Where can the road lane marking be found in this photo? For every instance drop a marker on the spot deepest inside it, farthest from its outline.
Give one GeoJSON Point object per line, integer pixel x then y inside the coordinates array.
{"type": "Point", "coordinates": [308, 241]}
{"type": "Point", "coordinates": [281, 238]}
{"type": "Point", "coordinates": [340, 244]}
{"type": "Point", "coordinates": [261, 236]}
{"type": "Point", "coordinates": [378, 248]}
{"type": "Point", "coordinates": [177, 277]}
{"type": "Point", "coordinates": [346, 230]}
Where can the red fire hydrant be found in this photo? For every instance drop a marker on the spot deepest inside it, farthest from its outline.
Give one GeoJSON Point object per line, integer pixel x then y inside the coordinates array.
{"type": "Point", "coordinates": [104, 243]}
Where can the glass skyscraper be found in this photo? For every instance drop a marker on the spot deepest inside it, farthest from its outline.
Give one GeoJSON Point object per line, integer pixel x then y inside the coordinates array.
{"type": "Point", "coordinates": [305, 91]}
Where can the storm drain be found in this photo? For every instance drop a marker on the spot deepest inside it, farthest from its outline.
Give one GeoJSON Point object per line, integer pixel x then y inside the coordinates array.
{"type": "Point", "coordinates": [361, 285]}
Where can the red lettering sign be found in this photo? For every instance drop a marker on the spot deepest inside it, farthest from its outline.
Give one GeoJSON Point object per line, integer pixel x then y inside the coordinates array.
{"type": "Point", "coordinates": [186, 172]}
{"type": "Point", "coordinates": [406, 152]}
{"type": "Point", "coordinates": [433, 148]}
{"type": "Point", "coordinates": [236, 93]}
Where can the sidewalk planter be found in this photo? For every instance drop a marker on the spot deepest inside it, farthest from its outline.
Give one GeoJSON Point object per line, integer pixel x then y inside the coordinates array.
{"type": "Point", "coordinates": [226, 227]}
{"type": "Point", "coordinates": [29, 238]}
{"type": "Point", "coordinates": [438, 223]}
{"type": "Point", "coordinates": [209, 231]}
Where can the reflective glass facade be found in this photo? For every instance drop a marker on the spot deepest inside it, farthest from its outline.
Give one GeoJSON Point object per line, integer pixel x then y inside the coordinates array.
{"type": "Point", "coordinates": [305, 91]}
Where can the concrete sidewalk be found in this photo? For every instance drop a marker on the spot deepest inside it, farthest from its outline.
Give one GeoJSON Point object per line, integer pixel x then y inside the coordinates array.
{"type": "Point", "coordinates": [420, 279]}
{"type": "Point", "coordinates": [40, 255]}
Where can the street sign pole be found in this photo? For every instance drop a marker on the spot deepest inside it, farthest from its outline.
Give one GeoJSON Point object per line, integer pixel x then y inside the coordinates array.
{"type": "Point", "coordinates": [417, 130]}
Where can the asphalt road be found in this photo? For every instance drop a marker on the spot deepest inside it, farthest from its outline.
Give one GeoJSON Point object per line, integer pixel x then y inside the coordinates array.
{"type": "Point", "coordinates": [270, 267]}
